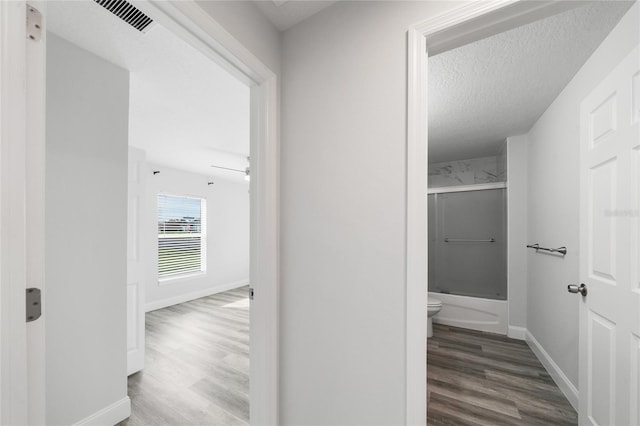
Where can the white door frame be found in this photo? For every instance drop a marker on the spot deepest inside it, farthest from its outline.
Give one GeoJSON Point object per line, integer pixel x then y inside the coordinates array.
{"type": "Point", "coordinates": [465, 24]}
{"type": "Point", "coordinates": [13, 334]}
{"type": "Point", "coordinates": [187, 20]}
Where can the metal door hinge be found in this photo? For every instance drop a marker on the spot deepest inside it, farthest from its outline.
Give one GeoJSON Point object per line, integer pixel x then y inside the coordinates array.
{"type": "Point", "coordinates": [251, 293]}
{"type": "Point", "coordinates": [34, 304]}
{"type": "Point", "coordinates": [34, 24]}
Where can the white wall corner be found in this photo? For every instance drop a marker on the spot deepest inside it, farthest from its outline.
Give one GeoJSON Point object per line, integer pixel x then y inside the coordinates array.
{"type": "Point", "coordinates": [519, 333]}
{"type": "Point", "coordinates": [159, 304]}
{"type": "Point", "coordinates": [517, 231]}
{"type": "Point", "coordinates": [558, 376]}
{"type": "Point", "coordinates": [110, 415]}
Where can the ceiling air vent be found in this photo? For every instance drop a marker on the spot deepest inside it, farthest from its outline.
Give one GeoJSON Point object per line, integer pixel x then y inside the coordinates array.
{"type": "Point", "coordinates": [127, 12]}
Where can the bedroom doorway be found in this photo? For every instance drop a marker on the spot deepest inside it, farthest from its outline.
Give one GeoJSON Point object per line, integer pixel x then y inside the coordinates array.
{"type": "Point", "coordinates": [261, 83]}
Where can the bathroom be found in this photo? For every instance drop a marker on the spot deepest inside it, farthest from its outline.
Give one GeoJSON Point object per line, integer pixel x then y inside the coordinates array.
{"type": "Point", "coordinates": [467, 225]}
{"type": "Point", "coordinates": [485, 98]}
{"type": "Point", "coordinates": [506, 179]}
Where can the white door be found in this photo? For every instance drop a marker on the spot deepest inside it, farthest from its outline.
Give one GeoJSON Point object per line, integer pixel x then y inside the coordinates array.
{"type": "Point", "coordinates": [135, 284]}
{"type": "Point", "coordinates": [35, 203]}
{"type": "Point", "coordinates": [609, 256]}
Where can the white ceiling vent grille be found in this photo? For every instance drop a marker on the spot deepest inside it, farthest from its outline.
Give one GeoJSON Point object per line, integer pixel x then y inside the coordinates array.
{"type": "Point", "coordinates": [127, 12]}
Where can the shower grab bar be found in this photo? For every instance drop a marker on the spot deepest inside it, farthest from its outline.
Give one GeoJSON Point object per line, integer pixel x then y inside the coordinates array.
{"type": "Point", "coordinates": [561, 250]}
{"type": "Point", "coordinates": [455, 240]}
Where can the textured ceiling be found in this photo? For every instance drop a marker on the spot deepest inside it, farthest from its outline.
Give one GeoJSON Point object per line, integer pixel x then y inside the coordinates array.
{"type": "Point", "coordinates": [481, 93]}
{"type": "Point", "coordinates": [186, 112]}
{"type": "Point", "coordinates": [284, 14]}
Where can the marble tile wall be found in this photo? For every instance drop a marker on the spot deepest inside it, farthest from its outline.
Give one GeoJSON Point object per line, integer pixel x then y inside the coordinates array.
{"type": "Point", "coordinates": [501, 162]}
{"type": "Point", "coordinates": [467, 172]}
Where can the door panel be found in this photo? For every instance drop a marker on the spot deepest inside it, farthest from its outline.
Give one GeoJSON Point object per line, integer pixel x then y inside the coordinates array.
{"type": "Point", "coordinates": [603, 120]}
{"type": "Point", "coordinates": [635, 84]}
{"type": "Point", "coordinates": [609, 241]}
{"type": "Point", "coordinates": [601, 368]}
{"type": "Point", "coordinates": [135, 289]}
{"type": "Point", "coordinates": [602, 255]}
{"type": "Point", "coordinates": [635, 379]}
{"type": "Point", "coordinates": [636, 209]}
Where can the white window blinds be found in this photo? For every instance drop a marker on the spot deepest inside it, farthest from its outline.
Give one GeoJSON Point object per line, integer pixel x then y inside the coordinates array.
{"type": "Point", "coordinates": [181, 235]}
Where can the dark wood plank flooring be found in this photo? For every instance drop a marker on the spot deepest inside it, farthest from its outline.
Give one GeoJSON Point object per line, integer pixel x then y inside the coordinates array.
{"type": "Point", "coordinates": [196, 365]}
{"type": "Point", "coordinates": [476, 378]}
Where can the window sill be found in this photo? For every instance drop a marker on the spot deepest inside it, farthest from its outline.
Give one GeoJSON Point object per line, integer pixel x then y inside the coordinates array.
{"type": "Point", "coordinates": [176, 279]}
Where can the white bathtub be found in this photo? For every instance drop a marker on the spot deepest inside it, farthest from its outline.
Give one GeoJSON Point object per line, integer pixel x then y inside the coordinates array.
{"type": "Point", "coordinates": [472, 312]}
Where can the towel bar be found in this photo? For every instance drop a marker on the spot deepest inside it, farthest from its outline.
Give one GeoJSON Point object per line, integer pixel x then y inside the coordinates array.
{"type": "Point", "coordinates": [561, 250]}
{"type": "Point", "coordinates": [454, 240]}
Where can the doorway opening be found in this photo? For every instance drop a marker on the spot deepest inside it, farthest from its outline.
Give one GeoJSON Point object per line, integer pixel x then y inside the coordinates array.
{"type": "Point", "coordinates": [103, 163]}
{"type": "Point", "coordinates": [457, 144]}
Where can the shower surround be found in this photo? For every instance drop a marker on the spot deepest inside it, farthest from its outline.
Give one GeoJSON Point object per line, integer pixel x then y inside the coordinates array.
{"type": "Point", "coordinates": [468, 244]}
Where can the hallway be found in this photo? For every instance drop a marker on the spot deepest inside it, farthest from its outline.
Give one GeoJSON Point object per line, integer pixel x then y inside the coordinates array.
{"type": "Point", "coordinates": [477, 378]}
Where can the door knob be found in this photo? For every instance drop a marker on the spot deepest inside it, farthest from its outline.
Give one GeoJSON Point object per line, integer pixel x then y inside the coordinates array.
{"type": "Point", "coordinates": [582, 289]}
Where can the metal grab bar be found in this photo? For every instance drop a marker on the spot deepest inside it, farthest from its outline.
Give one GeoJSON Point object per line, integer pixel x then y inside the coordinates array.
{"type": "Point", "coordinates": [561, 250]}
{"type": "Point", "coordinates": [454, 240]}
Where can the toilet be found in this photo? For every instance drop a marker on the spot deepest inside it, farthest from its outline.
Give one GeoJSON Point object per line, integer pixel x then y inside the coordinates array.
{"type": "Point", "coordinates": [433, 307]}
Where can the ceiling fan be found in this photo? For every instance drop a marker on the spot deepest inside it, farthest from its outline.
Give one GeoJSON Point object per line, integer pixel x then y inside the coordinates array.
{"type": "Point", "coordinates": [246, 171]}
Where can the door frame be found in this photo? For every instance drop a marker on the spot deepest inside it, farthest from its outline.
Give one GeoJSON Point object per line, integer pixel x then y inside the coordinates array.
{"type": "Point", "coordinates": [13, 331]}
{"type": "Point", "coordinates": [454, 28]}
{"type": "Point", "coordinates": [188, 21]}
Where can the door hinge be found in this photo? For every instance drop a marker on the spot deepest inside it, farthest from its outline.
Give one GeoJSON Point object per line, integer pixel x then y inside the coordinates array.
{"type": "Point", "coordinates": [34, 23]}
{"type": "Point", "coordinates": [34, 304]}
{"type": "Point", "coordinates": [251, 293]}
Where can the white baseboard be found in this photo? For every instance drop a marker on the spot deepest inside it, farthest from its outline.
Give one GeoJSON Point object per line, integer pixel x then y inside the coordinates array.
{"type": "Point", "coordinates": [111, 415]}
{"type": "Point", "coordinates": [519, 333]}
{"type": "Point", "coordinates": [555, 372]}
{"type": "Point", "coordinates": [159, 304]}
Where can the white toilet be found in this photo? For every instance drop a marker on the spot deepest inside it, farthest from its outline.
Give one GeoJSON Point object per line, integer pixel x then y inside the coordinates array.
{"type": "Point", "coordinates": [433, 307]}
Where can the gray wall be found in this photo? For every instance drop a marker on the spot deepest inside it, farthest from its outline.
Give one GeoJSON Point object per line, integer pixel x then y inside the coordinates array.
{"type": "Point", "coordinates": [554, 189]}
{"type": "Point", "coordinates": [343, 195]}
{"type": "Point", "coordinates": [86, 224]}
{"type": "Point", "coordinates": [244, 21]}
{"type": "Point", "coordinates": [517, 213]}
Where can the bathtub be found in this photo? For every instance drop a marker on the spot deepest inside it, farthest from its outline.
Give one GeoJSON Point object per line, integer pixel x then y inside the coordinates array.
{"type": "Point", "coordinates": [472, 312]}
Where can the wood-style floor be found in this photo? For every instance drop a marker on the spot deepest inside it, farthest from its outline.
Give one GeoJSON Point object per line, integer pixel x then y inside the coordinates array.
{"type": "Point", "coordinates": [196, 365]}
{"type": "Point", "coordinates": [476, 378]}
{"type": "Point", "coordinates": [197, 372]}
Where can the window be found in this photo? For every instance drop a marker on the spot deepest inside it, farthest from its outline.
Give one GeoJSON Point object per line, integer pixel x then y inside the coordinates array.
{"type": "Point", "coordinates": [181, 235]}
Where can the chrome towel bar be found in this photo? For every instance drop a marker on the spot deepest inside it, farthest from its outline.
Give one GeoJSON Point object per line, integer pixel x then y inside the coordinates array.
{"type": "Point", "coordinates": [561, 250]}
{"type": "Point", "coordinates": [454, 240]}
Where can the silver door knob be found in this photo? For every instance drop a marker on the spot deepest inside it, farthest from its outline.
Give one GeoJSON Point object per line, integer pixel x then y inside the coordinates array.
{"type": "Point", "coordinates": [582, 289]}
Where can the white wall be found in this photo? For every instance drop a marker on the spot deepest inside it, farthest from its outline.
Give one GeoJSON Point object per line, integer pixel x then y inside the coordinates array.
{"type": "Point", "coordinates": [227, 244]}
{"type": "Point", "coordinates": [343, 216]}
{"type": "Point", "coordinates": [85, 242]}
{"type": "Point", "coordinates": [554, 201]}
{"type": "Point", "coordinates": [244, 21]}
{"type": "Point", "coordinates": [517, 213]}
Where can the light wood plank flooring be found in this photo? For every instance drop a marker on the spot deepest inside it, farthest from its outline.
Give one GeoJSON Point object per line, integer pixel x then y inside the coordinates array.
{"type": "Point", "coordinates": [476, 378]}
{"type": "Point", "coordinates": [196, 365]}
